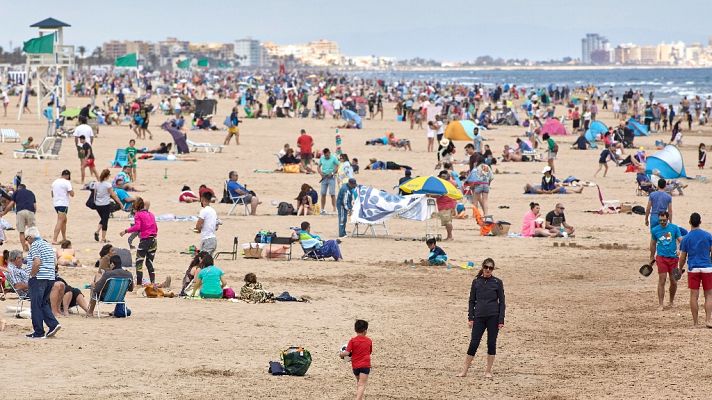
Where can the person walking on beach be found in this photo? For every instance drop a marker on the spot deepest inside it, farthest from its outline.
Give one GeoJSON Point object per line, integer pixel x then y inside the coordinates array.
{"type": "Point", "coordinates": [41, 259]}
{"type": "Point", "coordinates": [207, 224]}
{"type": "Point", "coordinates": [664, 240]}
{"type": "Point", "coordinates": [552, 151]}
{"type": "Point", "coordinates": [658, 201]}
{"type": "Point", "coordinates": [695, 250]}
{"type": "Point", "coordinates": [103, 194]}
{"type": "Point", "coordinates": [61, 192]}
{"type": "Point", "coordinates": [485, 311]}
{"type": "Point", "coordinates": [145, 225]}
{"type": "Point", "coordinates": [344, 204]}
{"type": "Point", "coordinates": [359, 349]}
{"type": "Point", "coordinates": [25, 204]}
{"type": "Point", "coordinates": [233, 128]}
{"type": "Point", "coordinates": [88, 160]}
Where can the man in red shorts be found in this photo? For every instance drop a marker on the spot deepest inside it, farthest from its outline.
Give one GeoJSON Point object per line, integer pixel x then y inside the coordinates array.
{"type": "Point", "coordinates": [695, 249]}
{"type": "Point", "coordinates": [664, 240]}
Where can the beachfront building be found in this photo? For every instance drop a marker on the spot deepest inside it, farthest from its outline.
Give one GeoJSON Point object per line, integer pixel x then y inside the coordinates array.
{"type": "Point", "coordinates": [319, 53]}
{"type": "Point", "coordinates": [220, 51]}
{"type": "Point", "coordinates": [117, 48]}
{"type": "Point", "coordinates": [249, 52]}
{"type": "Point", "coordinates": [590, 44]}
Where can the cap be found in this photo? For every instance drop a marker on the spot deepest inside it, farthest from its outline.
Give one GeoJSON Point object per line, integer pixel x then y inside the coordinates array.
{"type": "Point", "coordinates": [352, 181]}
{"type": "Point", "coordinates": [546, 169]}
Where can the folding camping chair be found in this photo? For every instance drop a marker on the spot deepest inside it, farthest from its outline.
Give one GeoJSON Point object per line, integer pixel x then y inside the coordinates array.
{"type": "Point", "coordinates": [431, 224]}
{"type": "Point", "coordinates": [311, 253]}
{"type": "Point", "coordinates": [237, 200]}
{"type": "Point", "coordinates": [356, 232]}
{"type": "Point", "coordinates": [233, 253]}
{"type": "Point", "coordinates": [114, 291]}
{"type": "Point", "coordinates": [121, 158]}
{"type": "Point", "coordinates": [287, 240]}
{"type": "Point", "coordinates": [608, 206]}
{"type": "Point", "coordinates": [21, 298]}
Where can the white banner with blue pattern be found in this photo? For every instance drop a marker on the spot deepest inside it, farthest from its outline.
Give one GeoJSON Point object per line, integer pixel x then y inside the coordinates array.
{"type": "Point", "coordinates": [373, 206]}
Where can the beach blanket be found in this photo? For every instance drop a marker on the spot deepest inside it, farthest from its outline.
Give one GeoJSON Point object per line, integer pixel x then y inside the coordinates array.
{"type": "Point", "coordinates": [373, 206]}
{"type": "Point", "coordinates": [179, 218]}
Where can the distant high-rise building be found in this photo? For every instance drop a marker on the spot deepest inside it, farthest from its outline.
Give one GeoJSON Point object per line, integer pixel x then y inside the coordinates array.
{"type": "Point", "coordinates": [590, 44]}
{"type": "Point", "coordinates": [249, 52]}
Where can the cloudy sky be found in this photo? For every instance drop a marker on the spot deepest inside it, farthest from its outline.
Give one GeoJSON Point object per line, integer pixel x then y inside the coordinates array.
{"type": "Point", "coordinates": [450, 30]}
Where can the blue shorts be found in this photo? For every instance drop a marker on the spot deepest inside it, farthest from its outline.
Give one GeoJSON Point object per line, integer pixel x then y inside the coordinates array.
{"type": "Point", "coordinates": [482, 188]}
{"type": "Point", "coordinates": [328, 184]}
{"type": "Point", "coordinates": [358, 371]}
{"type": "Point", "coordinates": [62, 210]}
{"type": "Point", "coordinates": [654, 220]}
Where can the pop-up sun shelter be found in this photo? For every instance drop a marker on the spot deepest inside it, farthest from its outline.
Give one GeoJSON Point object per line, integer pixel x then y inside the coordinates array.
{"type": "Point", "coordinates": [554, 127]}
{"type": "Point", "coordinates": [595, 129]}
{"type": "Point", "coordinates": [462, 130]}
{"type": "Point", "coordinates": [638, 128]}
{"type": "Point", "coordinates": [668, 161]}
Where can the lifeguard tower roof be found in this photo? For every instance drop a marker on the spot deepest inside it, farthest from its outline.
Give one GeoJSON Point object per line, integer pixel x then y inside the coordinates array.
{"type": "Point", "coordinates": [49, 23]}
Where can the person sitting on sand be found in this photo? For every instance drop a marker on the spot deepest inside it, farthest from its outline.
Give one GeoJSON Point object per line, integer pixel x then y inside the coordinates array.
{"type": "Point", "coordinates": [72, 297]}
{"type": "Point", "coordinates": [323, 248]}
{"type": "Point", "coordinates": [510, 154]}
{"type": "Point", "coordinates": [644, 182]}
{"type": "Point", "coordinates": [549, 185]}
{"type": "Point", "coordinates": [204, 188]}
{"type": "Point", "coordinates": [383, 165]}
{"type": "Point", "coordinates": [210, 280]}
{"type": "Point", "coordinates": [306, 199]}
{"type": "Point", "coordinates": [533, 224]}
{"type": "Point", "coordinates": [581, 143]}
{"type": "Point", "coordinates": [196, 264]}
{"type": "Point", "coordinates": [556, 221]}
{"type": "Point", "coordinates": [66, 255]}
{"type": "Point", "coordinates": [252, 291]}
{"type": "Point", "coordinates": [398, 143]}
{"type": "Point", "coordinates": [123, 179]}
{"type": "Point", "coordinates": [187, 195]}
{"type": "Point", "coordinates": [523, 145]}
{"type": "Point", "coordinates": [98, 288]}
{"type": "Point", "coordinates": [125, 198]}
{"type": "Point", "coordinates": [671, 185]}
{"type": "Point", "coordinates": [436, 256]}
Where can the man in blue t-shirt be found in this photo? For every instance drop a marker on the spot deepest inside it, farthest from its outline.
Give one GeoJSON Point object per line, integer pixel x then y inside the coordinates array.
{"type": "Point", "coordinates": [664, 240]}
{"type": "Point", "coordinates": [658, 201]}
{"type": "Point", "coordinates": [235, 189]}
{"type": "Point", "coordinates": [695, 249]}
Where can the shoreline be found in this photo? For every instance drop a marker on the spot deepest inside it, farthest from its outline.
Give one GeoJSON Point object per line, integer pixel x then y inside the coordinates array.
{"type": "Point", "coordinates": [526, 68]}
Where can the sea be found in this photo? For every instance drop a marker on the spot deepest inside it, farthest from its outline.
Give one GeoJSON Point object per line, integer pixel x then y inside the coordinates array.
{"type": "Point", "coordinates": [668, 85]}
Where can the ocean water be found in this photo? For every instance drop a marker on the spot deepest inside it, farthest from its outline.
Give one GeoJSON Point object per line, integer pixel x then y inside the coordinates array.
{"type": "Point", "coordinates": [667, 84]}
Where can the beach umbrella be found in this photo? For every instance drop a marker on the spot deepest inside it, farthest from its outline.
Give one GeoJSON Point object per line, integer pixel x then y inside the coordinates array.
{"type": "Point", "coordinates": [431, 185]}
{"type": "Point", "coordinates": [461, 130]}
{"type": "Point", "coordinates": [74, 112]}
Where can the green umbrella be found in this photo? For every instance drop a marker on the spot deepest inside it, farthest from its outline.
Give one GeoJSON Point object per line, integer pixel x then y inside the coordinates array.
{"type": "Point", "coordinates": [74, 112]}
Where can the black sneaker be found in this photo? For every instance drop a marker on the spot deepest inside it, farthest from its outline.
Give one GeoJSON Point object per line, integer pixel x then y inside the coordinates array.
{"type": "Point", "coordinates": [33, 336]}
{"type": "Point", "coordinates": [53, 331]}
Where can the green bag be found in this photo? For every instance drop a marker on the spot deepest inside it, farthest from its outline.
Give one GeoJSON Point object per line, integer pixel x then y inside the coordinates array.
{"type": "Point", "coordinates": [296, 361]}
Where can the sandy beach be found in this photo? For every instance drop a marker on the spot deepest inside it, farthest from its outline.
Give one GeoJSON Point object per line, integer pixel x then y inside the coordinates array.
{"type": "Point", "coordinates": [582, 323]}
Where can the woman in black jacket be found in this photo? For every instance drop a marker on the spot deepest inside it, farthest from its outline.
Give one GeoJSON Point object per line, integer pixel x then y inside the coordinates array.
{"type": "Point", "coordinates": [485, 312]}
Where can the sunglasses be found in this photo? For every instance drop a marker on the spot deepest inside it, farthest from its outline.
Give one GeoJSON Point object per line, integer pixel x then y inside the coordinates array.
{"type": "Point", "coordinates": [489, 267]}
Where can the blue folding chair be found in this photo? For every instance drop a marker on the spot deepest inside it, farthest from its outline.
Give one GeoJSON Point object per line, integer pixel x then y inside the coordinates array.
{"type": "Point", "coordinates": [121, 158]}
{"type": "Point", "coordinates": [113, 292]}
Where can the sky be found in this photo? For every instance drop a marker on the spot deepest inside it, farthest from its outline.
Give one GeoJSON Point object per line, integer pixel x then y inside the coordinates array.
{"type": "Point", "coordinates": [446, 30]}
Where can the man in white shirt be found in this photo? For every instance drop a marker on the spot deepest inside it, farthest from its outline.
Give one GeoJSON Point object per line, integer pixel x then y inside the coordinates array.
{"type": "Point", "coordinates": [338, 104]}
{"type": "Point", "coordinates": [83, 129]}
{"type": "Point", "coordinates": [61, 192]}
{"type": "Point", "coordinates": [207, 224]}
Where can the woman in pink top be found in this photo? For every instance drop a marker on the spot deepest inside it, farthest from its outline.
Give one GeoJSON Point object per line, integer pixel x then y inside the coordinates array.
{"type": "Point", "coordinates": [533, 226]}
{"type": "Point", "coordinates": [145, 225]}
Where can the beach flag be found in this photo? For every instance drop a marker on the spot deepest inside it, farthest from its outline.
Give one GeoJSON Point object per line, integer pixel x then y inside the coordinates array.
{"type": "Point", "coordinates": [203, 62]}
{"type": "Point", "coordinates": [185, 64]}
{"type": "Point", "coordinates": [40, 45]}
{"type": "Point", "coordinates": [128, 60]}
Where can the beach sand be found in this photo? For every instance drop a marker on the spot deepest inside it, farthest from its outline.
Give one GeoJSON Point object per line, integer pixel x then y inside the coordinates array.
{"type": "Point", "coordinates": [581, 321]}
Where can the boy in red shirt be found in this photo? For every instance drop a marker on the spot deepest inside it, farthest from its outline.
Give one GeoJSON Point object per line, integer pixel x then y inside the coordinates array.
{"type": "Point", "coordinates": [360, 348]}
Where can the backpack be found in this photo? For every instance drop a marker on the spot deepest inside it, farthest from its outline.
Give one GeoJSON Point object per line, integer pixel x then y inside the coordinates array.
{"type": "Point", "coordinates": [121, 311]}
{"type": "Point", "coordinates": [285, 208]}
{"type": "Point", "coordinates": [276, 368]}
{"type": "Point", "coordinates": [296, 361]}
{"type": "Point", "coordinates": [556, 148]}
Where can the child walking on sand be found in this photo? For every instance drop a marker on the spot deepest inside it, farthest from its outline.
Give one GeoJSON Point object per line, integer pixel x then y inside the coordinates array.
{"type": "Point", "coordinates": [702, 156]}
{"type": "Point", "coordinates": [360, 348]}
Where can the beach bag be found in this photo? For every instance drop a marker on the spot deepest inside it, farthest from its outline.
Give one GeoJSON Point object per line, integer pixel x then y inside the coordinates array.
{"type": "Point", "coordinates": [501, 228]}
{"type": "Point", "coordinates": [228, 122]}
{"type": "Point", "coordinates": [276, 368]}
{"type": "Point", "coordinates": [121, 311]}
{"type": "Point", "coordinates": [297, 361]}
{"type": "Point", "coordinates": [228, 293]}
{"type": "Point", "coordinates": [264, 236]}
{"type": "Point", "coordinates": [253, 252]}
{"type": "Point", "coordinates": [285, 208]}
{"type": "Point", "coordinates": [291, 169]}
{"type": "Point", "coordinates": [556, 148]}
{"type": "Point", "coordinates": [91, 201]}
{"type": "Point", "coordinates": [638, 210]}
